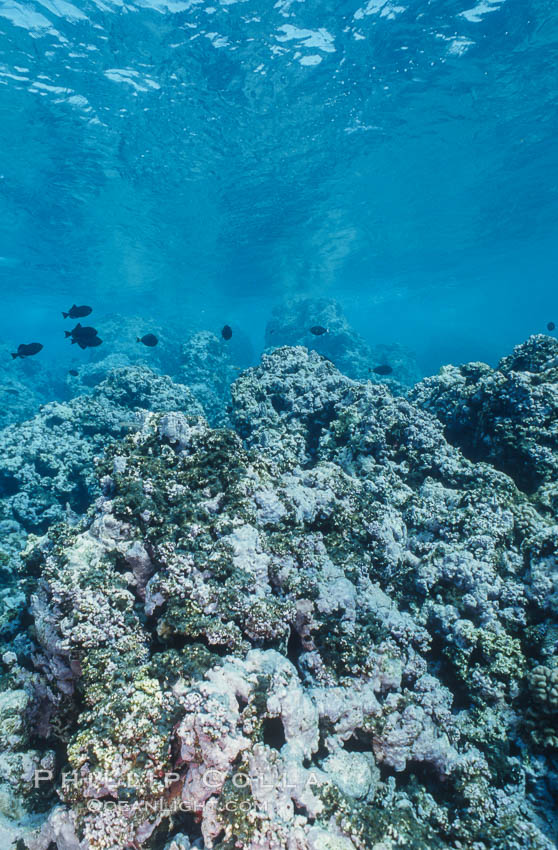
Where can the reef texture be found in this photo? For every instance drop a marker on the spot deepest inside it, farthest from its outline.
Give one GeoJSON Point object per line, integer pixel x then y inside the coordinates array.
{"type": "Point", "coordinates": [290, 325]}
{"type": "Point", "coordinates": [326, 629]}
{"type": "Point", "coordinates": [25, 384]}
{"type": "Point", "coordinates": [209, 366]}
{"type": "Point", "coordinates": [47, 464]}
{"type": "Point", "coordinates": [507, 416]}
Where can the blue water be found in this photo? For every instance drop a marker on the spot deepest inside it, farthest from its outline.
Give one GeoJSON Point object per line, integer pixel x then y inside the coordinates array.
{"type": "Point", "coordinates": [198, 162]}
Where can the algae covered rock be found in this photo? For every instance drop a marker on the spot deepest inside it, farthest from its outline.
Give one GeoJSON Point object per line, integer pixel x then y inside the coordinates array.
{"type": "Point", "coordinates": [507, 416]}
{"type": "Point", "coordinates": [47, 463]}
{"type": "Point", "coordinates": [285, 404]}
{"type": "Point", "coordinates": [20, 763]}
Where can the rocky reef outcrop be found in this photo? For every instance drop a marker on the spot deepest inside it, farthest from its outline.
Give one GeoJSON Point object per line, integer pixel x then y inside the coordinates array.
{"type": "Point", "coordinates": [25, 384]}
{"type": "Point", "coordinates": [47, 463]}
{"type": "Point", "coordinates": [506, 416]}
{"type": "Point", "coordinates": [290, 325]}
{"type": "Point", "coordinates": [209, 365]}
{"type": "Point", "coordinates": [327, 629]}
{"type": "Point", "coordinates": [120, 334]}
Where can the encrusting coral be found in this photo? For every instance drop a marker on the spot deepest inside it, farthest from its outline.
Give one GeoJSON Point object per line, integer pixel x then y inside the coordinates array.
{"type": "Point", "coordinates": [506, 416]}
{"type": "Point", "coordinates": [46, 463]}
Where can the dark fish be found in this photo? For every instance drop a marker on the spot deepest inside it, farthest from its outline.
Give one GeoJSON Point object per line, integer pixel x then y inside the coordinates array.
{"type": "Point", "coordinates": [87, 341]}
{"type": "Point", "coordinates": [318, 330]}
{"type": "Point", "coordinates": [226, 333]}
{"type": "Point", "coordinates": [384, 369]}
{"type": "Point", "coordinates": [81, 332]}
{"type": "Point", "coordinates": [551, 326]}
{"type": "Point", "coordinates": [149, 339]}
{"type": "Point", "coordinates": [27, 350]}
{"type": "Point", "coordinates": [12, 391]}
{"type": "Point", "coordinates": [73, 372]}
{"type": "Point", "coordinates": [78, 312]}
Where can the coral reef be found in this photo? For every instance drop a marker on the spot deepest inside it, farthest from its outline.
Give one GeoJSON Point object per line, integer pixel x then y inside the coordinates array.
{"type": "Point", "coordinates": [120, 333]}
{"type": "Point", "coordinates": [18, 400]}
{"type": "Point", "coordinates": [209, 366]}
{"type": "Point", "coordinates": [506, 416]}
{"type": "Point", "coordinates": [25, 384]}
{"type": "Point", "coordinates": [328, 629]}
{"type": "Point", "coordinates": [46, 463]}
{"type": "Point", "coordinates": [290, 325]}
{"type": "Point", "coordinates": [543, 714]}
{"type": "Point", "coordinates": [19, 763]}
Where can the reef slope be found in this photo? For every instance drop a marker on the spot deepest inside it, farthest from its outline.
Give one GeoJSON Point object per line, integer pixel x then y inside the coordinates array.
{"type": "Point", "coordinates": [326, 629]}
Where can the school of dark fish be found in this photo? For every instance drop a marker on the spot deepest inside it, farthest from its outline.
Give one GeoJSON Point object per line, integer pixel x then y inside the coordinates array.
{"type": "Point", "coordinates": [88, 337]}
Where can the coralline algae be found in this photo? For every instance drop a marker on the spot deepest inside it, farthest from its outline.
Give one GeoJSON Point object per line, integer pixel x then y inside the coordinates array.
{"type": "Point", "coordinates": [327, 629]}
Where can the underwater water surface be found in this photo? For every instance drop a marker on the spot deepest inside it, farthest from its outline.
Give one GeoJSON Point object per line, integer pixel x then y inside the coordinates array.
{"type": "Point", "coordinates": [208, 160]}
